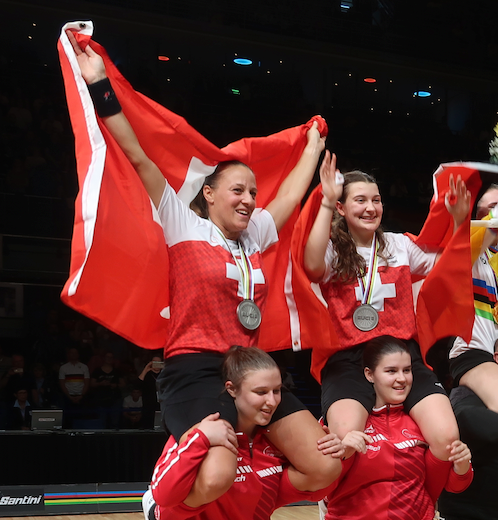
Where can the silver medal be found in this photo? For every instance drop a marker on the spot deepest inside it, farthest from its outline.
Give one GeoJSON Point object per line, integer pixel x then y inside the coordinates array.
{"type": "Point", "coordinates": [249, 314]}
{"type": "Point", "coordinates": [365, 318]}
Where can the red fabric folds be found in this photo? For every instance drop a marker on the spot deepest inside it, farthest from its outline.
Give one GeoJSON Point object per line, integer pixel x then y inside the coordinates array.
{"type": "Point", "coordinates": [119, 260]}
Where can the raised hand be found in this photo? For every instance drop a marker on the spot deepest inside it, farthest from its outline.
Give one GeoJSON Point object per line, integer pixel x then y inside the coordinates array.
{"type": "Point", "coordinates": [332, 190]}
{"type": "Point", "coordinates": [314, 137]}
{"type": "Point", "coordinates": [91, 64]}
{"type": "Point", "coordinates": [457, 200]}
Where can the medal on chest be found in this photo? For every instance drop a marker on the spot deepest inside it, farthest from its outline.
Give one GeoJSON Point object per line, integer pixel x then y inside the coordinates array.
{"type": "Point", "coordinates": [248, 312]}
{"type": "Point", "coordinates": [365, 317]}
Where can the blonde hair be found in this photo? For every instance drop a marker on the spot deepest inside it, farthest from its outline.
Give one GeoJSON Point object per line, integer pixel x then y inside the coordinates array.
{"type": "Point", "coordinates": [239, 361]}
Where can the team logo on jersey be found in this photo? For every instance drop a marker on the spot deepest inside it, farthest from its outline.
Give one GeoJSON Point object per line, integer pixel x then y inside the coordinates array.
{"type": "Point", "coordinates": [271, 451]}
{"type": "Point", "coordinates": [369, 429]}
{"type": "Point", "coordinates": [408, 435]}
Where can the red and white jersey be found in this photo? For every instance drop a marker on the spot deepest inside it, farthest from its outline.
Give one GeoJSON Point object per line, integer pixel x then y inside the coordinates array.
{"type": "Point", "coordinates": [205, 282]}
{"type": "Point", "coordinates": [261, 485]}
{"type": "Point", "coordinates": [392, 296]}
{"type": "Point", "coordinates": [388, 482]}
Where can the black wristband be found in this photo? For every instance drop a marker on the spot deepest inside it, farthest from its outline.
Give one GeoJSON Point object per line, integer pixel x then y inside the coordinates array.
{"type": "Point", "coordinates": [104, 98]}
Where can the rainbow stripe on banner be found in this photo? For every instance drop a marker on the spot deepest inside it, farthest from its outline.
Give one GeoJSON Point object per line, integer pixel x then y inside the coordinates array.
{"type": "Point", "coordinates": [484, 299]}
{"type": "Point", "coordinates": [98, 497]}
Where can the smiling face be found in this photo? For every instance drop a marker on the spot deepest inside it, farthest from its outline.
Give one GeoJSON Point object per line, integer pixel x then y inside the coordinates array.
{"type": "Point", "coordinates": [362, 210]}
{"type": "Point", "coordinates": [232, 200]}
{"type": "Point", "coordinates": [256, 398]}
{"type": "Point", "coordinates": [392, 378]}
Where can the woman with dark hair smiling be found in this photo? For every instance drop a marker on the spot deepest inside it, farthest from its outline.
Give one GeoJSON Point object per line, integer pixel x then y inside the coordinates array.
{"type": "Point", "coordinates": [386, 477]}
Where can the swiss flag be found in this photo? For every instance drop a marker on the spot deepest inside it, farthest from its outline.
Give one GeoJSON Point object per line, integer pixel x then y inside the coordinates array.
{"type": "Point", "coordinates": [119, 260]}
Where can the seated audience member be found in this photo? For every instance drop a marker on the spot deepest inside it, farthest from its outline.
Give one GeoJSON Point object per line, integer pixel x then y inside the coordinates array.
{"type": "Point", "coordinates": [105, 385]}
{"type": "Point", "coordinates": [15, 378]}
{"type": "Point", "coordinates": [43, 391]}
{"type": "Point", "coordinates": [74, 381]}
{"type": "Point", "coordinates": [148, 377]}
{"type": "Point", "coordinates": [20, 412]}
{"type": "Point", "coordinates": [132, 409]}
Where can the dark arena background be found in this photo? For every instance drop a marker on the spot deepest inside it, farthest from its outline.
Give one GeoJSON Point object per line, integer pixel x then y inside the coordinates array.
{"type": "Point", "coordinates": [404, 87]}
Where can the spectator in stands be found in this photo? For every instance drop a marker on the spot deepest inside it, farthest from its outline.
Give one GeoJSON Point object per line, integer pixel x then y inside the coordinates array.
{"type": "Point", "coordinates": [5, 362]}
{"type": "Point", "coordinates": [149, 392]}
{"type": "Point", "coordinates": [42, 392]}
{"type": "Point", "coordinates": [16, 377]}
{"type": "Point", "coordinates": [20, 412]}
{"type": "Point", "coordinates": [74, 381]}
{"type": "Point", "coordinates": [105, 385]}
{"type": "Point", "coordinates": [132, 409]}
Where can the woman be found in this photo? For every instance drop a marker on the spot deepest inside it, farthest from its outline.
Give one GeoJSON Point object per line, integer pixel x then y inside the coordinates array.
{"type": "Point", "coordinates": [473, 364]}
{"type": "Point", "coordinates": [210, 309]}
{"type": "Point", "coordinates": [388, 472]}
{"type": "Point", "coordinates": [263, 481]}
{"type": "Point", "coordinates": [363, 307]}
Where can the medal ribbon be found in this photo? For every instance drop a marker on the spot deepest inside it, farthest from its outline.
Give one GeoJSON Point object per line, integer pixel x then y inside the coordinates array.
{"type": "Point", "coordinates": [245, 269]}
{"type": "Point", "coordinates": [367, 282]}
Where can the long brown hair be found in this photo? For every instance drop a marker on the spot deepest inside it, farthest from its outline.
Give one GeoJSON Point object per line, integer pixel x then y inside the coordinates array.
{"type": "Point", "coordinates": [348, 264]}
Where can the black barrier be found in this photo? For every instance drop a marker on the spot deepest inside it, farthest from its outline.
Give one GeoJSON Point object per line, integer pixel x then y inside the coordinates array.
{"type": "Point", "coordinates": [45, 458]}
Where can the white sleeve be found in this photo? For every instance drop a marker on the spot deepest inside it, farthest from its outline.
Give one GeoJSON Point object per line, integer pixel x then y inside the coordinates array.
{"type": "Point", "coordinates": [262, 229]}
{"type": "Point", "coordinates": [330, 255]}
{"type": "Point", "coordinates": [420, 262]}
{"type": "Point", "coordinates": [175, 217]}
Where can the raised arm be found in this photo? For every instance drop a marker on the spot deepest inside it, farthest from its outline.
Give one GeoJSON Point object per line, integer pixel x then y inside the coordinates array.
{"type": "Point", "coordinates": [93, 71]}
{"type": "Point", "coordinates": [316, 246]}
{"type": "Point", "coordinates": [294, 187]}
{"type": "Point", "coordinates": [457, 201]}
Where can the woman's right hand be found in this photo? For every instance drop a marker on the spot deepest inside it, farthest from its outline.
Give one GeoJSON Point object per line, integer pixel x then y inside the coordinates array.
{"type": "Point", "coordinates": [460, 456]}
{"type": "Point", "coordinates": [356, 441]}
{"type": "Point", "coordinates": [219, 432]}
{"type": "Point", "coordinates": [332, 191]}
{"type": "Point", "coordinates": [91, 64]}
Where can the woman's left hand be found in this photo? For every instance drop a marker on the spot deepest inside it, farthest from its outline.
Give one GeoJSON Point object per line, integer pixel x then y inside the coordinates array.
{"type": "Point", "coordinates": [457, 200]}
{"type": "Point", "coordinates": [315, 140]}
{"type": "Point", "coordinates": [331, 444]}
{"type": "Point", "coordinates": [460, 456]}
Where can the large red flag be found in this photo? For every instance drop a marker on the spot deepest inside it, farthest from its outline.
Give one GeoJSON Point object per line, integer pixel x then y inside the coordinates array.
{"type": "Point", "coordinates": [119, 260]}
{"type": "Point", "coordinates": [445, 302]}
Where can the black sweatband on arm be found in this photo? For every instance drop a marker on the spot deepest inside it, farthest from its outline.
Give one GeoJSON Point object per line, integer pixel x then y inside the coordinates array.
{"type": "Point", "coordinates": [104, 98]}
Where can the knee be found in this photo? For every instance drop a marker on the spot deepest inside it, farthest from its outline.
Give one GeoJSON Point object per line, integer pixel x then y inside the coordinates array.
{"type": "Point", "coordinates": [442, 438]}
{"type": "Point", "coordinates": [321, 472]}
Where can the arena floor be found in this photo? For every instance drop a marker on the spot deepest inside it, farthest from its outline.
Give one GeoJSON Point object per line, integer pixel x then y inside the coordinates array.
{"type": "Point", "coordinates": [284, 513]}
